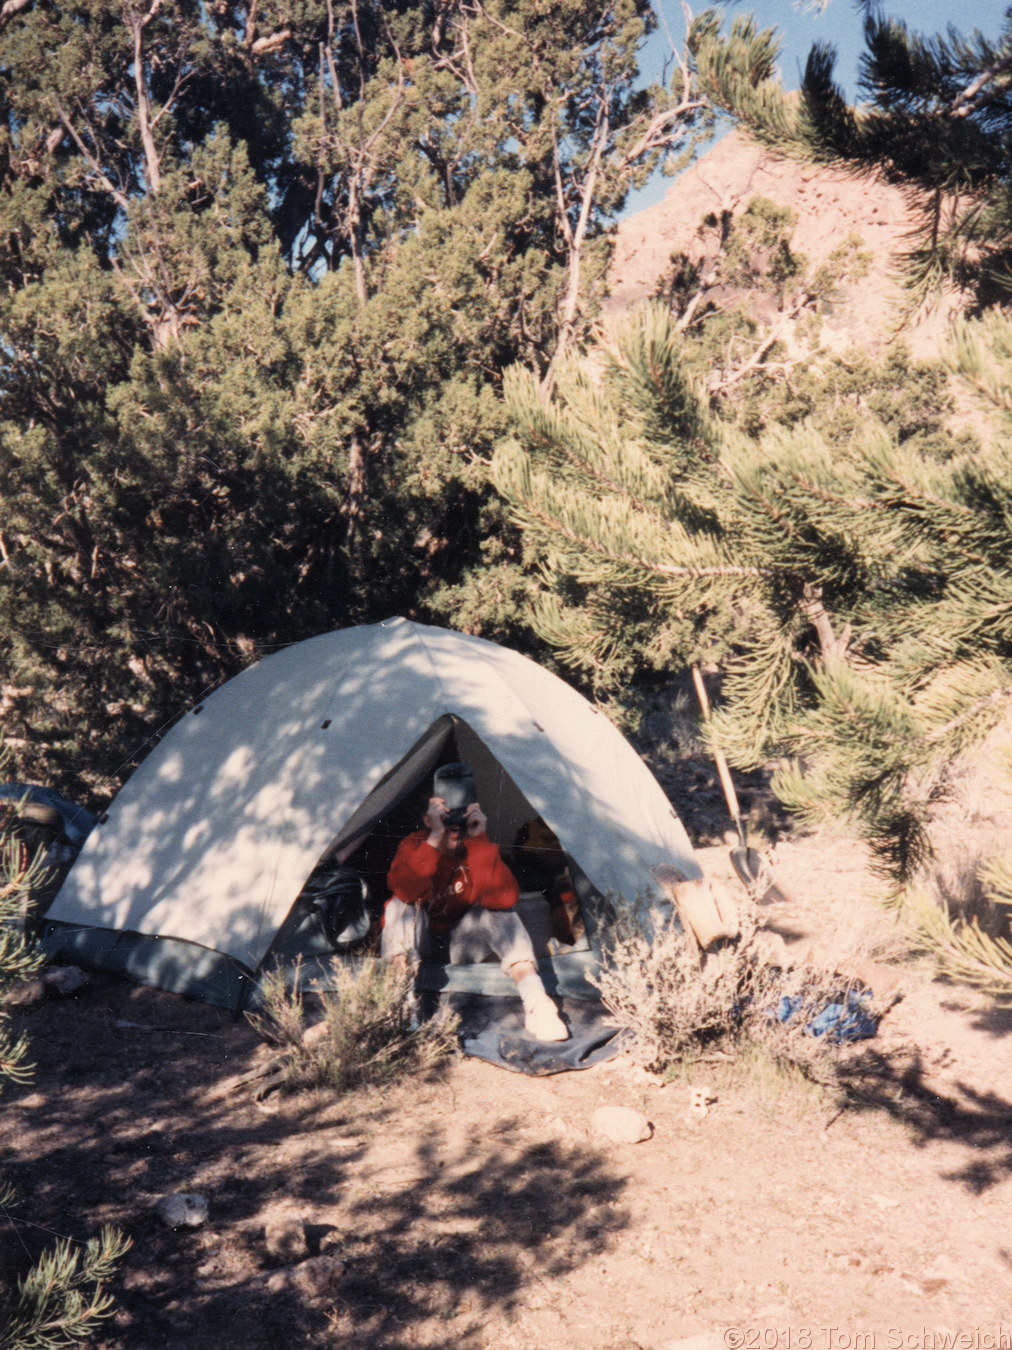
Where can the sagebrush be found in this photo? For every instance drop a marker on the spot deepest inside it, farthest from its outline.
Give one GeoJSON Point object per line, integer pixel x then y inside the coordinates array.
{"type": "Point", "coordinates": [680, 1009]}
{"type": "Point", "coordinates": [369, 1032]}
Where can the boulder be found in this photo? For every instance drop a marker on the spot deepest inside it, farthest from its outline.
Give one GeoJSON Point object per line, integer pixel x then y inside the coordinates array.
{"type": "Point", "coordinates": [64, 980]}
{"type": "Point", "coordinates": [58, 982]}
{"type": "Point", "coordinates": [25, 993]}
{"type": "Point", "coordinates": [700, 1101]}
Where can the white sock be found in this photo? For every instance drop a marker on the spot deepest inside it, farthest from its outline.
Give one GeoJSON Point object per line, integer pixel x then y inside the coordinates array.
{"type": "Point", "coordinates": [531, 990]}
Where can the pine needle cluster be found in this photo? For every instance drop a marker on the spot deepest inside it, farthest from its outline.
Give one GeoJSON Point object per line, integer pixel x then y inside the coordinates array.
{"type": "Point", "coordinates": [856, 594]}
{"type": "Point", "coordinates": [62, 1297]}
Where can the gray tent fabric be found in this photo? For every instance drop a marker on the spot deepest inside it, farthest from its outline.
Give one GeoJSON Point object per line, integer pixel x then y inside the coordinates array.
{"type": "Point", "coordinates": [210, 841]}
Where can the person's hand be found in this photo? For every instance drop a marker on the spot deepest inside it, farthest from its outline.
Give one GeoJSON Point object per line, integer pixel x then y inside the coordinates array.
{"type": "Point", "coordinates": [434, 821]}
{"type": "Point", "coordinates": [475, 820]}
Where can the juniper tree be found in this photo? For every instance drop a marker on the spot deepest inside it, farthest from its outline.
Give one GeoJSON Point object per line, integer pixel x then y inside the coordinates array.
{"type": "Point", "coordinates": [262, 269]}
{"type": "Point", "coordinates": [854, 592]}
{"type": "Point", "coordinates": [751, 304]}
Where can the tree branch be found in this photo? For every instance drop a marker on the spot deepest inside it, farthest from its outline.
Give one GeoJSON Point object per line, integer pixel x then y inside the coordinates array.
{"type": "Point", "coordinates": [556, 528]}
{"type": "Point", "coordinates": [652, 137]}
{"type": "Point", "coordinates": [964, 104]}
{"type": "Point", "coordinates": [251, 24]}
{"type": "Point", "coordinates": [560, 193]}
{"type": "Point", "coordinates": [271, 43]}
{"type": "Point", "coordinates": [830, 645]}
{"type": "Point", "coordinates": [117, 195]}
{"type": "Point", "coordinates": [151, 160]}
{"type": "Point", "coordinates": [718, 386]}
{"type": "Point", "coordinates": [575, 238]}
{"type": "Point", "coordinates": [177, 84]}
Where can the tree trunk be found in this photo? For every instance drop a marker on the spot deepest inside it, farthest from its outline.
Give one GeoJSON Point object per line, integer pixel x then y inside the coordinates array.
{"type": "Point", "coordinates": [151, 162]}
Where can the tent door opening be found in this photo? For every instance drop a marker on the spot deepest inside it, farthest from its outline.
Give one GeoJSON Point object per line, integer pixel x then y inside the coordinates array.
{"type": "Point", "coordinates": [339, 910]}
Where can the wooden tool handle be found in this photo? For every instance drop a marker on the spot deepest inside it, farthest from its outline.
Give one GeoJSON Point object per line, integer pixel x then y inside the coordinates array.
{"type": "Point", "coordinates": [723, 772]}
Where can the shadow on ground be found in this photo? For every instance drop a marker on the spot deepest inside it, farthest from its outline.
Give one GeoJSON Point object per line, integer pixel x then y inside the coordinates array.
{"type": "Point", "coordinates": [901, 1087]}
{"type": "Point", "coordinates": [130, 1102]}
{"type": "Point", "coordinates": [492, 1225]}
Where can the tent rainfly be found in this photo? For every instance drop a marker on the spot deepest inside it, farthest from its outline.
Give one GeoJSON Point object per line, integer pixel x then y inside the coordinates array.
{"type": "Point", "coordinates": [326, 749]}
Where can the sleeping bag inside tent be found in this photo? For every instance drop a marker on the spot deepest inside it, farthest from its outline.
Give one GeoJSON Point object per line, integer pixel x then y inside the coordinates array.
{"type": "Point", "coordinates": [260, 829]}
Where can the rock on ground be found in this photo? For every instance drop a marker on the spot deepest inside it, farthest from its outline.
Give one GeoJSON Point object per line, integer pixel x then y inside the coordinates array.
{"type": "Point", "coordinates": [317, 1278]}
{"type": "Point", "coordinates": [184, 1210]}
{"type": "Point", "coordinates": [621, 1124]}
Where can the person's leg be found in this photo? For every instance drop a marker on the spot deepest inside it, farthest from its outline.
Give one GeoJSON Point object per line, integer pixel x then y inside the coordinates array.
{"type": "Point", "coordinates": [404, 942]}
{"type": "Point", "coordinates": [501, 932]}
{"type": "Point", "coordinates": [541, 1017]}
{"type": "Point", "coordinates": [405, 933]}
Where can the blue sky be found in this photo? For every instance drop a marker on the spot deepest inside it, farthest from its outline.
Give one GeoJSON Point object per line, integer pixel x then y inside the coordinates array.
{"type": "Point", "coordinates": [801, 24]}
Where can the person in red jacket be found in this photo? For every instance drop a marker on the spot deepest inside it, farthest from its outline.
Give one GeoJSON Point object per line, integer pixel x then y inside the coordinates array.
{"type": "Point", "coordinates": [449, 878]}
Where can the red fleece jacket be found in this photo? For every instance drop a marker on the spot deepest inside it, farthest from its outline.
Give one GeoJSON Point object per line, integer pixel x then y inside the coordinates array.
{"type": "Point", "coordinates": [449, 884]}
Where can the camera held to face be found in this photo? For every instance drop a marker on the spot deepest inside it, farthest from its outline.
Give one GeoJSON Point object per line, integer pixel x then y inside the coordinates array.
{"type": "Point", "coordinates": [455, 784]}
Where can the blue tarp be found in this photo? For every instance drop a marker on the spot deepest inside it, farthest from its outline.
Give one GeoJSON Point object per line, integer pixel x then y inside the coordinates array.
{"type": "Point", "coordinates": [845, 1020]}
{"type": "Point", "coordinates": [493, 1029]}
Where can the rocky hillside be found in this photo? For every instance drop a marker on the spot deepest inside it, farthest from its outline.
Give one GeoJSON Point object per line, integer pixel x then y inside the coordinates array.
{"type": "Point", "coordinates": [830, 206]}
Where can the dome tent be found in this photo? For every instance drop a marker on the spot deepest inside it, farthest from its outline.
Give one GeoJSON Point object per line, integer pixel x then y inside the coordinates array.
{"type": "Point", "coordinates": [187, 882]}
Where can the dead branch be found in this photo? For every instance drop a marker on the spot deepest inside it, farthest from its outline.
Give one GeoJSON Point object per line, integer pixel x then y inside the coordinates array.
{"type": "Point", "coordinates": [756, 358]}
{"type": "Point", "coordinates": [575, 237]}
{"type": "Point", "coordinates": [251, 24]}
{"type": "Point", "coordinates": [136, 25]}
{"type": "Point", "coordinates": [177, 85]}
{"type": "Point", "coordinates": [271, 43]}
{"type": "Point", "coordinates": [656, 134]}
{"type": "Point", "coordinates": [117, 195]}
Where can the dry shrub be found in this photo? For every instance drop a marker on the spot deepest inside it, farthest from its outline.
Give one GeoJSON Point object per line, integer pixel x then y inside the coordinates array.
{"type": "Point", "coordinates": [680, 1009]}
{"type": "Point", "coordinates": [368, 1034]}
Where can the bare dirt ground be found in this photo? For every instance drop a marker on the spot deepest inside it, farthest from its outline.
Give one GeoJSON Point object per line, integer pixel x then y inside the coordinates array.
{"type": "Point", "coordinates": [479, 1209]}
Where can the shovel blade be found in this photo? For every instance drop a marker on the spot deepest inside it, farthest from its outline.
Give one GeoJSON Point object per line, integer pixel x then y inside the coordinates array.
{"type": "Point", "coordinates": [755, 875]}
